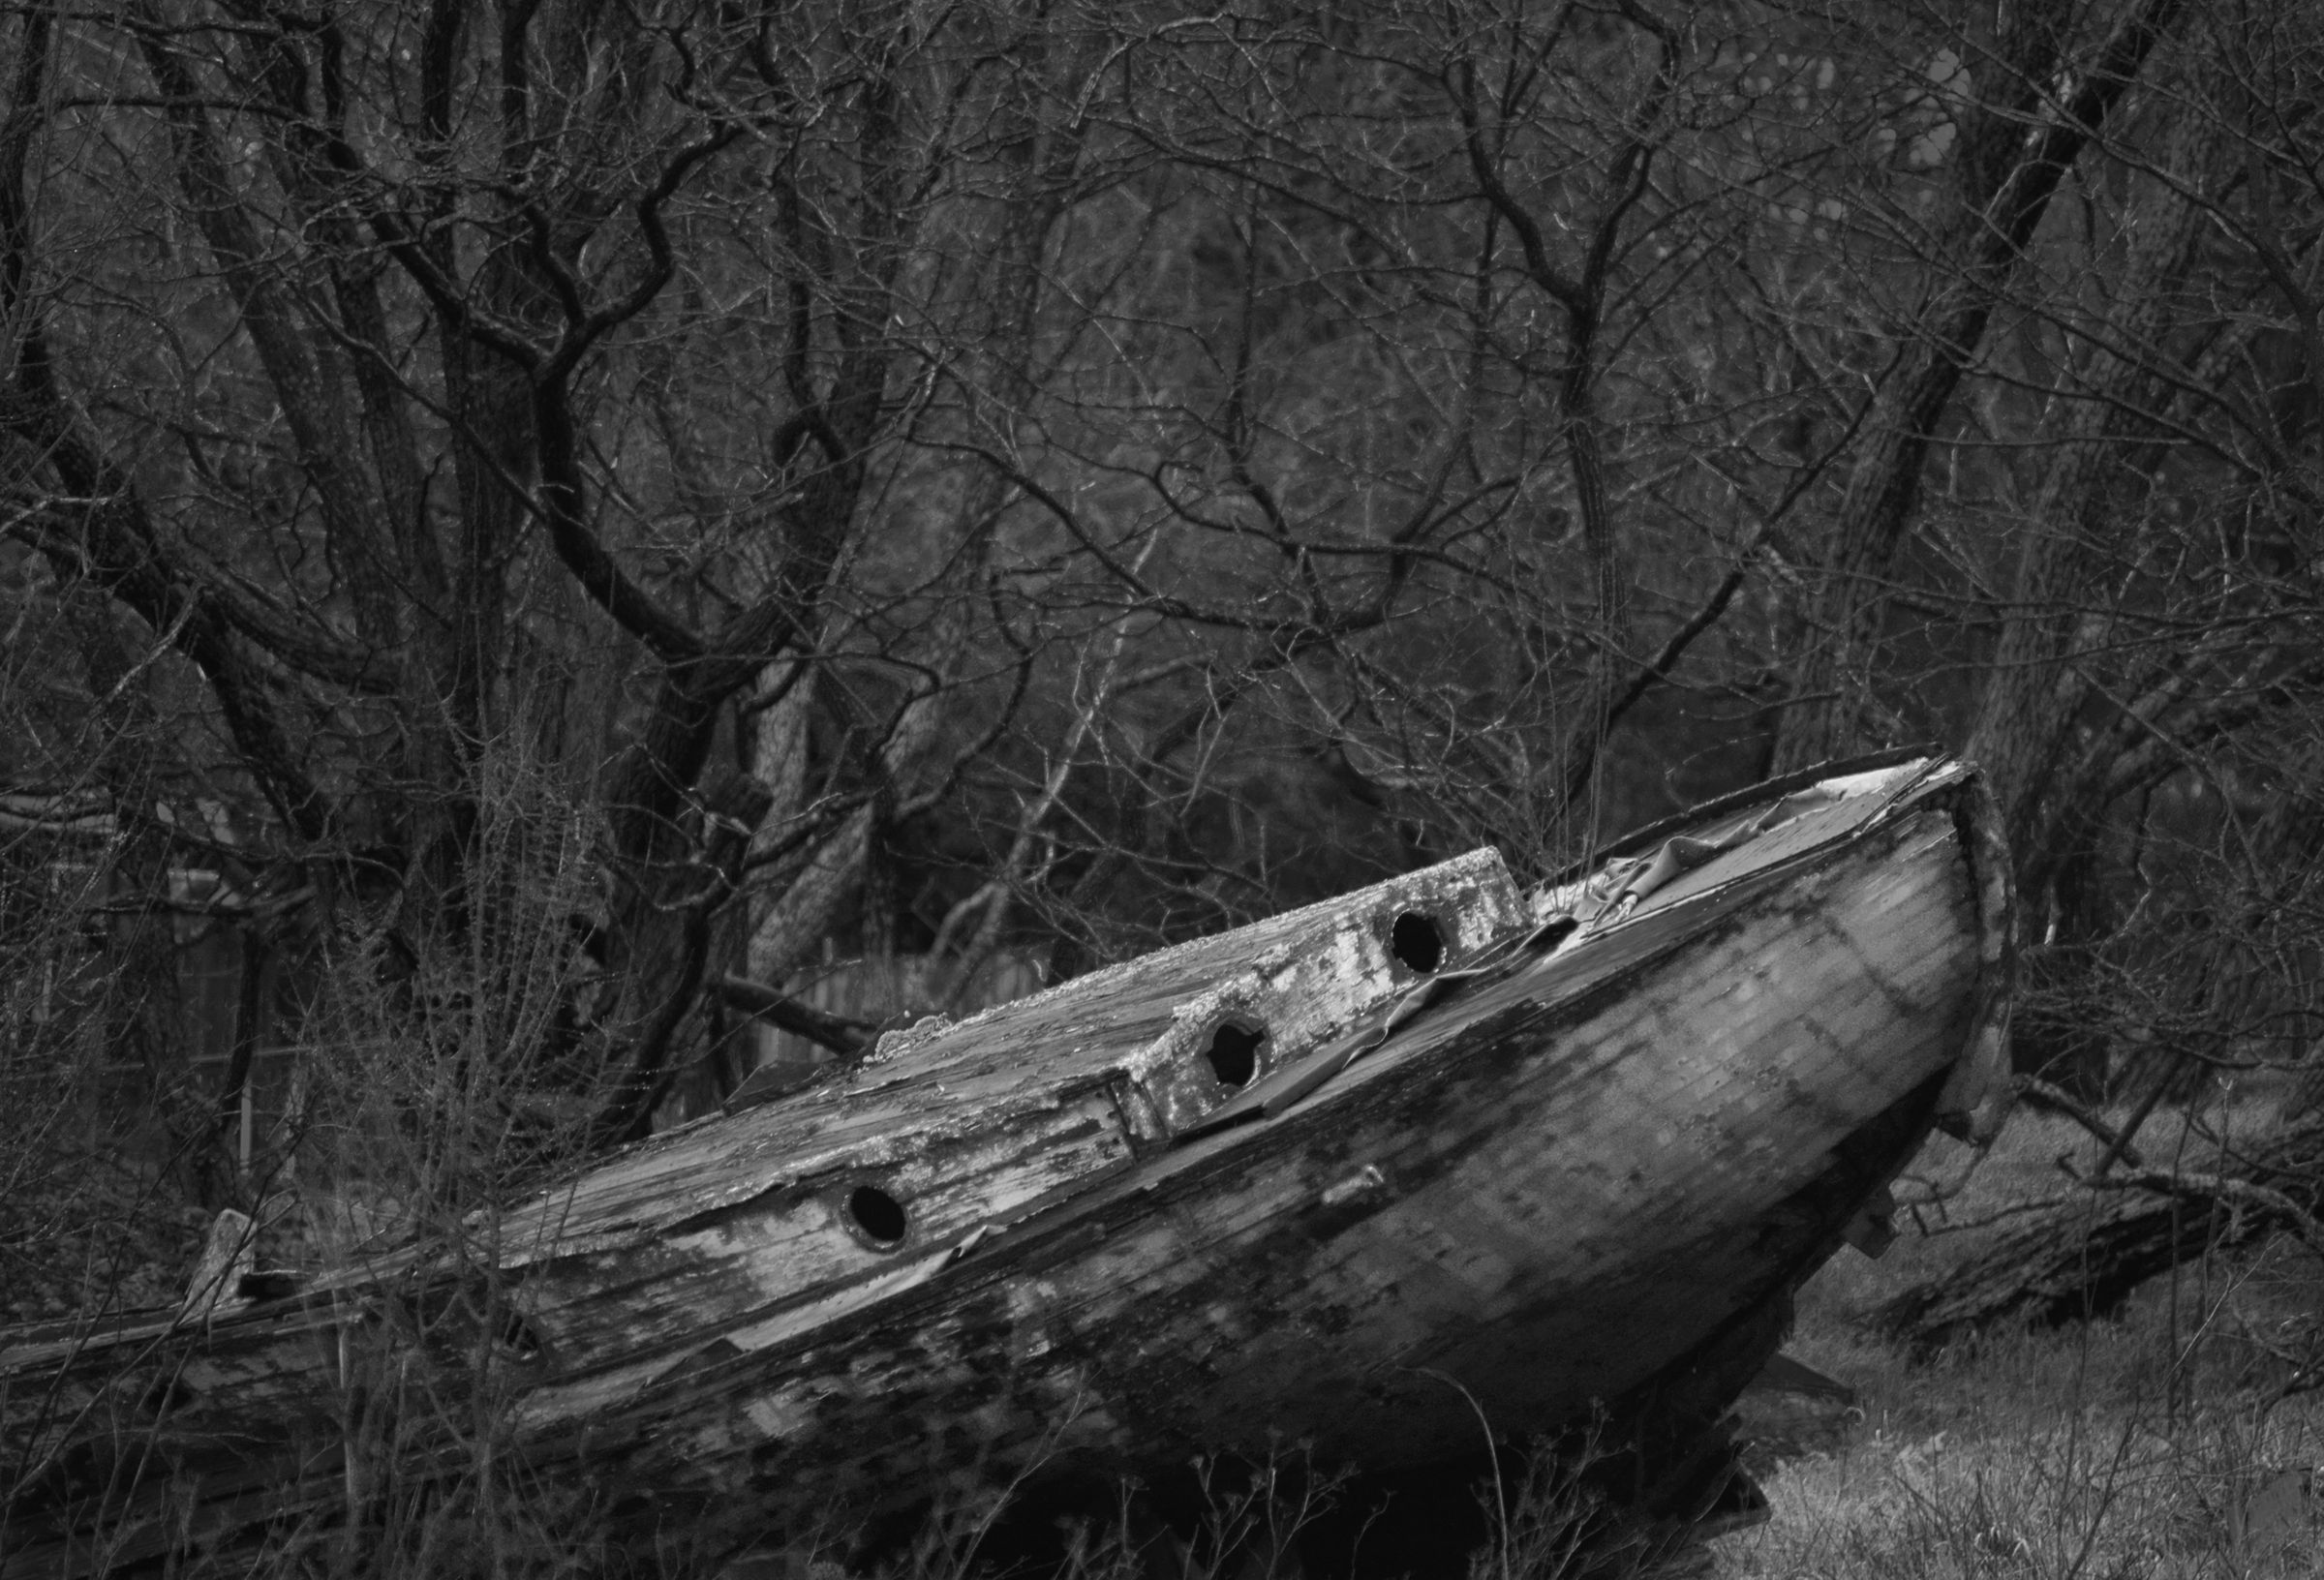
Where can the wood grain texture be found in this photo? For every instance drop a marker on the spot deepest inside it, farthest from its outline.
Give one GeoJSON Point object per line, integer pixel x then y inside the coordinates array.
{"type": "Point", "coordinates": [1614, 1149]}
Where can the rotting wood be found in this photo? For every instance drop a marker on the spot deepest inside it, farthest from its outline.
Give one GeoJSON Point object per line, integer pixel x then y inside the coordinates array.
{"type": "Point", "coordinates": [228, 1256]}
{"type": "Point", "coordinates": [2081, 1258]}
{"type": "Point", "coordinates": [1470, 1137]}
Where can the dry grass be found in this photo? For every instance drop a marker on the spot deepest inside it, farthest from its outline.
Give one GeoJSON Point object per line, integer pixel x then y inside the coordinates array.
{"type": "Point", "coordinates": [2159, 1444]}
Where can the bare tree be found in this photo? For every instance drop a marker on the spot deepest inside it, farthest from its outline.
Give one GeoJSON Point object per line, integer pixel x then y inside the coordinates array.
{"type": "Point", "coordinates": [624, 497]}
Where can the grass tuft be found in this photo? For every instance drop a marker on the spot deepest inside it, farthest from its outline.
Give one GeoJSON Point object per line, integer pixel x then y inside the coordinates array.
{"type": "Point", "coordinates": [2173, 1440]}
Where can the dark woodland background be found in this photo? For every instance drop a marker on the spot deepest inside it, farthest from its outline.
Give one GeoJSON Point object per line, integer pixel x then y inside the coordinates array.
{"type": "Point", "coordinates": [539, 538]}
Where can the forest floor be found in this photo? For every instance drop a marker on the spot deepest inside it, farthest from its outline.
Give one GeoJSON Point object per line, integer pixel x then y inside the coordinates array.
{"type": "Point", "coordinates": [2172, 1440]}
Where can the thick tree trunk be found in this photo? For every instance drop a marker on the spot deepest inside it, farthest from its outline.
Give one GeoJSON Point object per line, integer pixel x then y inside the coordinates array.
{"type": "Point", "coordinates": [2009, 174]}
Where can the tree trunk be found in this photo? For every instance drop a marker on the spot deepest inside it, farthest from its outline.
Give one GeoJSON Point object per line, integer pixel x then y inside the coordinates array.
{"type": "Point", "coordinates": [2010, 175]}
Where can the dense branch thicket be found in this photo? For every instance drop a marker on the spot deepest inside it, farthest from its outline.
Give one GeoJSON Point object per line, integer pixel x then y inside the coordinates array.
{"type": "Point", "coordinates": [531, 526]}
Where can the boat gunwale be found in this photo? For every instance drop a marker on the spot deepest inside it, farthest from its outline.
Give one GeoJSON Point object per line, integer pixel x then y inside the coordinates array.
{"type": "Point", "coordinates": [1767, 791]}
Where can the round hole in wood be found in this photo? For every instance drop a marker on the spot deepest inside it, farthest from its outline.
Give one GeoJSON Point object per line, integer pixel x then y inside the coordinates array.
{"type": "Point", "coordinates": [1554, 932]}
{"type": "Point", "coordinates": [878, 1214]}
{"type": "Point", "coordinates": [1415, 939]}
{"type": "Point", "coordinates": [1234, 1052]}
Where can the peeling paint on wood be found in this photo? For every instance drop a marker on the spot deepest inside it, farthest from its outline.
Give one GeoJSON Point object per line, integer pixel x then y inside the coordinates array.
{"type": "Point", "coordinates": [1550, 1147]}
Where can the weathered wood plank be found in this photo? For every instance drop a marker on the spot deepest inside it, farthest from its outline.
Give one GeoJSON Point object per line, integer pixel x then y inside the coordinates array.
{"type": "Point", "coordinates": [1234, 1288]}
{"type": "Point", "coordinates": [1599, 1162]}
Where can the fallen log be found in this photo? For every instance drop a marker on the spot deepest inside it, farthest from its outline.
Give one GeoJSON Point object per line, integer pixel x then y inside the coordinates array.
{"type": "Point", "coordinates": [2080, 1259]}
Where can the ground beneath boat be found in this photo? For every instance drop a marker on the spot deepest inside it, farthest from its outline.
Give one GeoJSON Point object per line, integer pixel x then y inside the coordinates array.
{"type": "Point", "coordinates": [2176, 1437]}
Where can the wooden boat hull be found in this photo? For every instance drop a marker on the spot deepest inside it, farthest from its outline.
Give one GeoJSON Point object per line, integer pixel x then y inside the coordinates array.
{"type": "Point", "coordinates": [1538, 1204]}
{"type": "Point", "coordinates": [1588, 1176]}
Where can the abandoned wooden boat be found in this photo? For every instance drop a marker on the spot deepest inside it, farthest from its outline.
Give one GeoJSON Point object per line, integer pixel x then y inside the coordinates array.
{"type": "Point", "coordinates": [1356, 1177]}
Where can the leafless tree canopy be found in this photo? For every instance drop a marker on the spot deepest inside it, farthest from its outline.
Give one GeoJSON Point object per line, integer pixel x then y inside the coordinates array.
{"type": "Point", "coordinates": [528, 525]}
